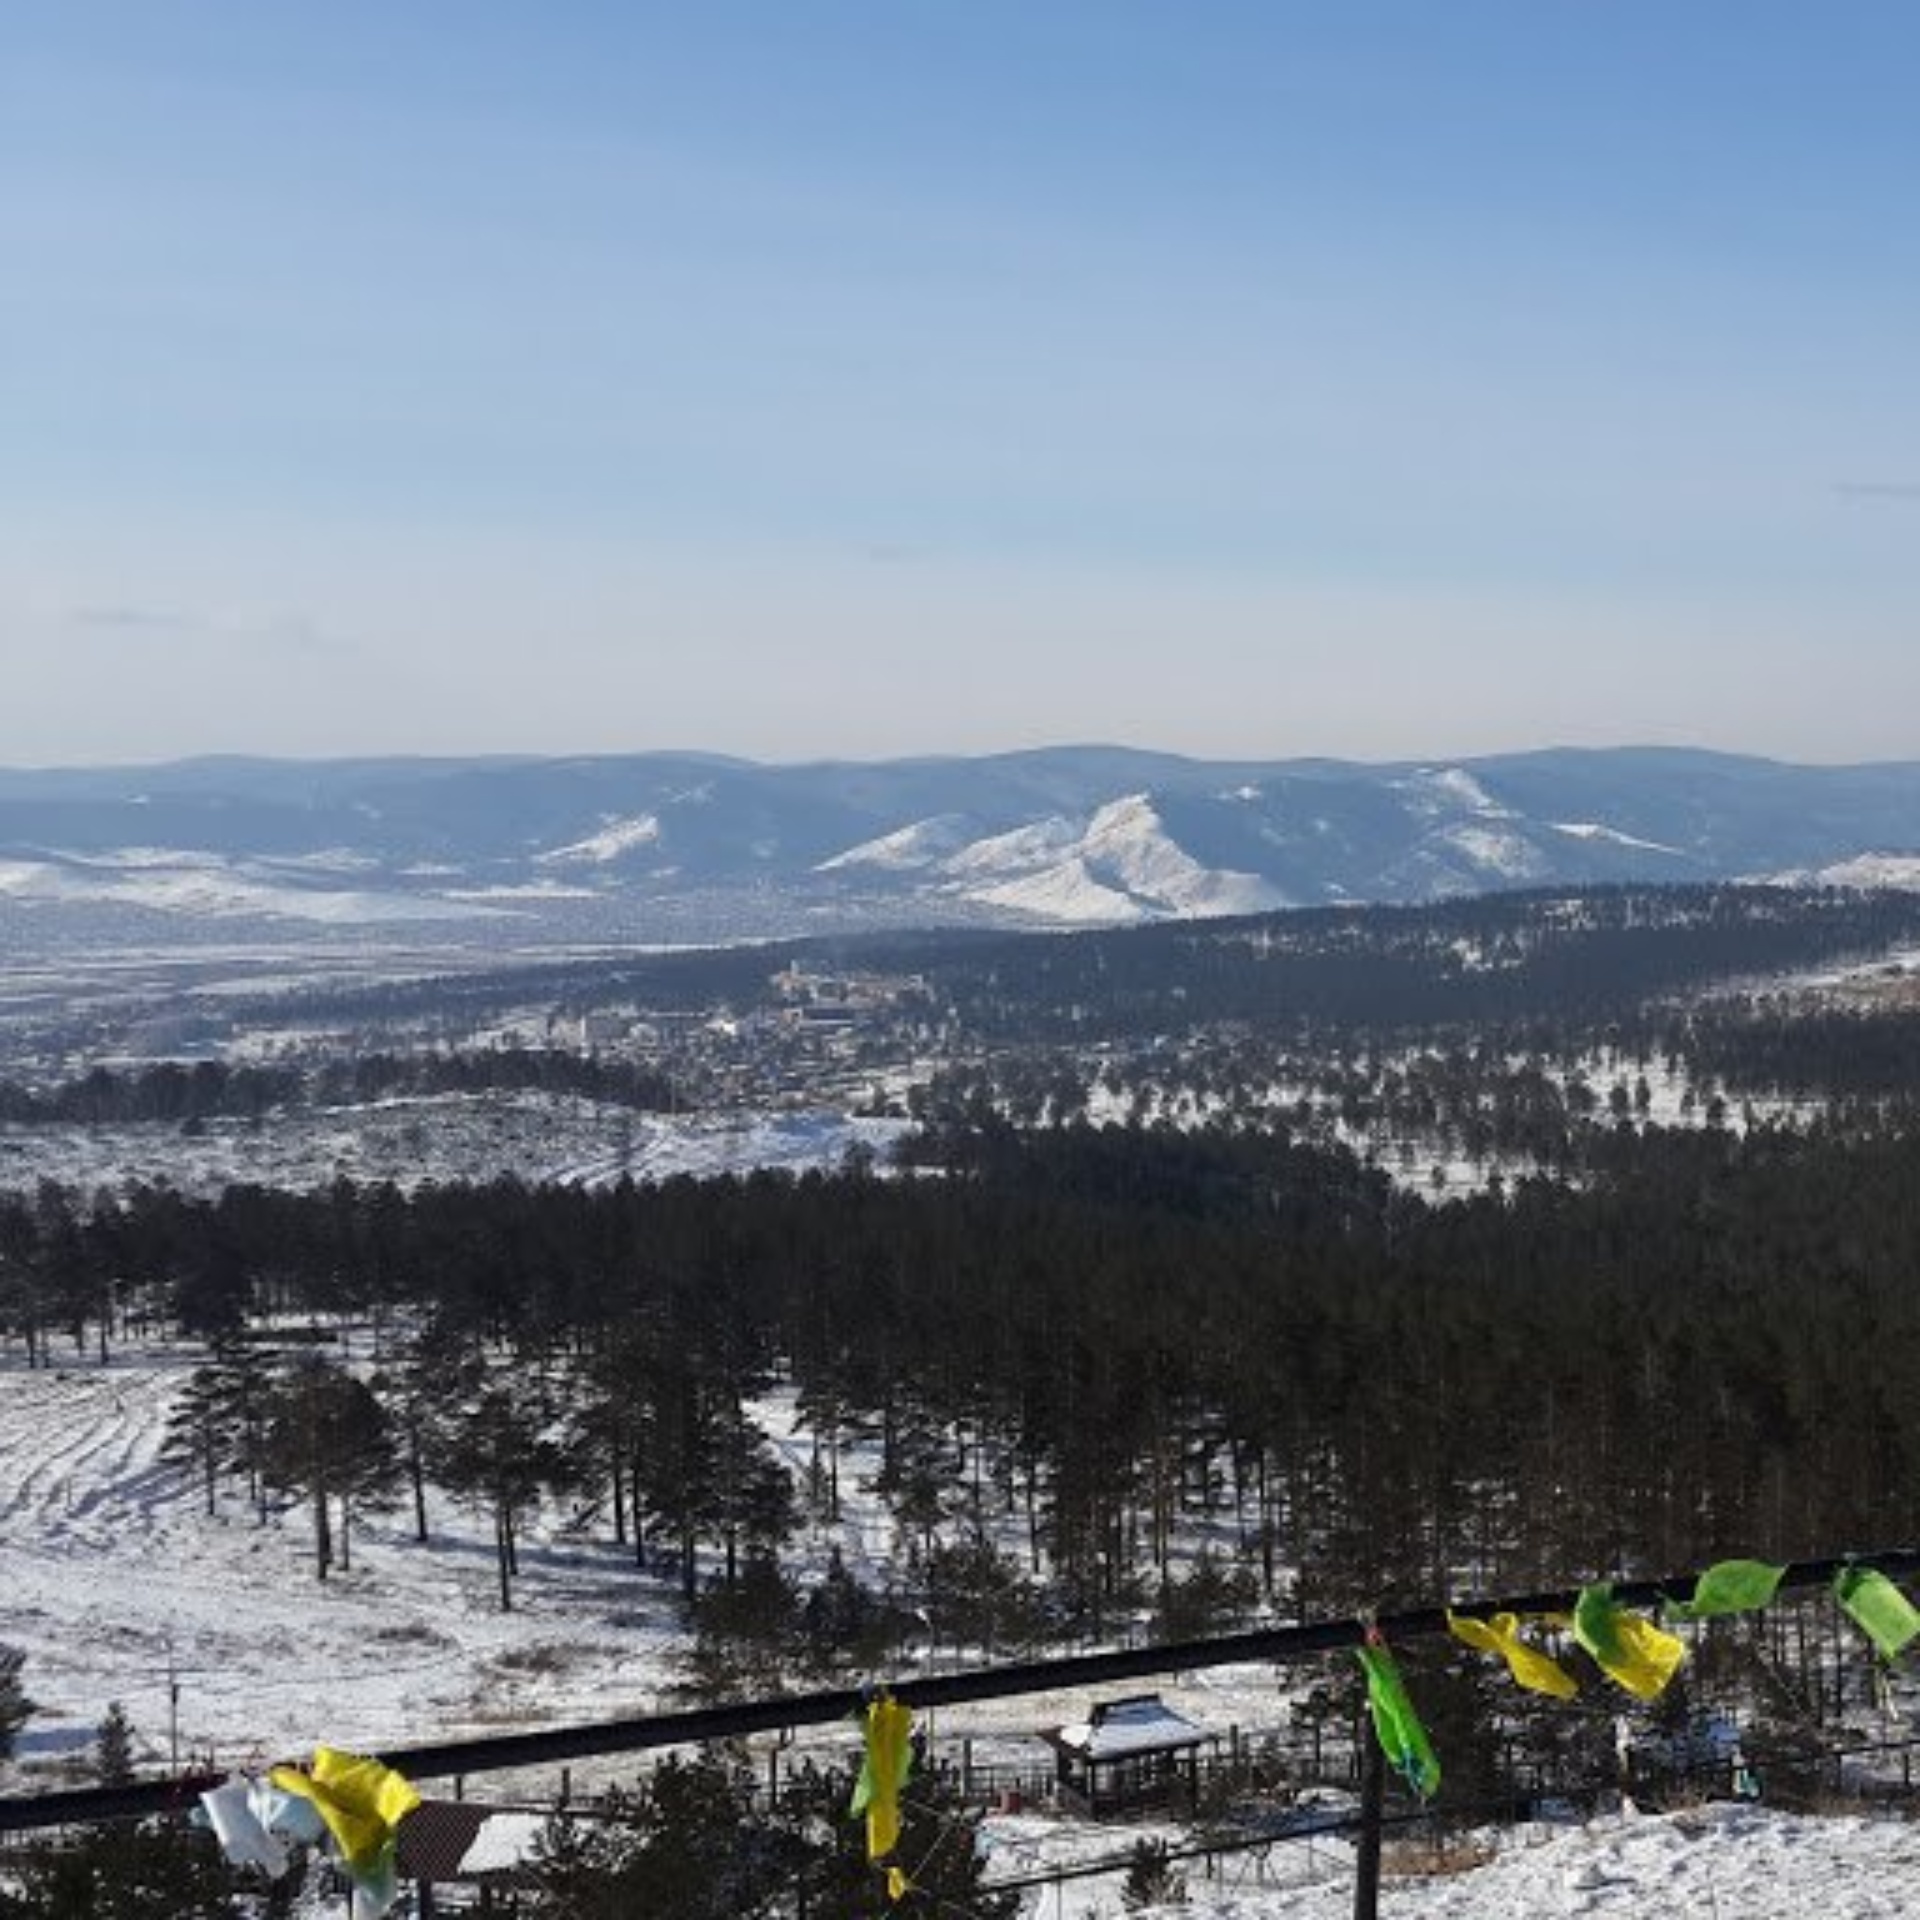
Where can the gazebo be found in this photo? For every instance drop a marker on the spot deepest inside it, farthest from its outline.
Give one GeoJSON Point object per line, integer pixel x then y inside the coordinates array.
{"type": "Point", "coordinates": [1127, 1756]}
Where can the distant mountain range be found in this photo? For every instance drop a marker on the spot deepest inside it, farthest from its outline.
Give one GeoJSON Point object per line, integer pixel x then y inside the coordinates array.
{"type": "Point", "coordinates": [682, 846]}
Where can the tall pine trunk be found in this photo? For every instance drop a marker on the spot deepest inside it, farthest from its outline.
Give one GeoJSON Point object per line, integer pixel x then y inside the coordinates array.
{"type": "Point", "coordinates": [322, 1528]}
{"type": "Point", "coordinates": [417, 1474]}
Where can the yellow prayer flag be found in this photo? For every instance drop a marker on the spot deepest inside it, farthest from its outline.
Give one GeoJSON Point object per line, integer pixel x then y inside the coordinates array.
{"type": "Point", "coordinates": [361, 1801]}
{"type": "Point", "coordinates": [1533, 1669]}
{"type": "Point", "coordinates": [1648, 1657]}
{"type": "Point", "coordinates": [889, 1760]}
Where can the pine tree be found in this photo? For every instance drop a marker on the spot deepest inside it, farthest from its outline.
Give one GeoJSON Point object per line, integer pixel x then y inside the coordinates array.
{"type": "Point", "coordinates": [326, 1435]}
{"type": "Point", "coordinates": [689, 1843]}
{"type": "Point", "coordinates": [113, 1747]}
{"type": "Point", "coordinates": [158, 1870]}
{"type": "Point", "coordinates": [15, 1708]}
{"type": "Point", "coordinates": [432, 1369]}
{"type": "Point", "coordinates": [939, 1851]}
{"type": "Point", "coordinates": [497, 1457]}
{"type": "Point", "coordinates": [1151, 1880]}
{"type": "Point", "coordinates": [214, 1424]}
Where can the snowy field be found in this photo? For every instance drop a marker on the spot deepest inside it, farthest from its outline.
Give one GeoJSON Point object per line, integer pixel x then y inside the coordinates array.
{"type": "Point", "coordinates": [112, 1575]}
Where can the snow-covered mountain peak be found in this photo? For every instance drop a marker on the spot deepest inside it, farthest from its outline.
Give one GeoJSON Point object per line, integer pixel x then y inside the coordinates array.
{"type": "Point", "coordinates": [1120, 864]}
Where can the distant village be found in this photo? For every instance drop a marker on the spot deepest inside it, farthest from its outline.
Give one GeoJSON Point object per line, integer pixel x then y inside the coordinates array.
{"type": "Point", "coordinates": [819, 1037]}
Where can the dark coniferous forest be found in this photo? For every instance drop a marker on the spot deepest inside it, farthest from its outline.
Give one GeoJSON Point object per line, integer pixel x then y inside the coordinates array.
{"type": "Point", "coordinates": [1075, 1344]}
{"type": "Point", "coordinates": [1711, 1346]}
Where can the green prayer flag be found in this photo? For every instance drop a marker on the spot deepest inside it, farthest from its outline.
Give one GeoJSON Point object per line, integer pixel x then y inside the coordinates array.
{"type": "Point", "coordinates": [1396, 1725]}
{"type": "Point", "coordinates": [1878, 1608]}
{"type": "Point", "coordinates": [1729, 1586]}
{"type": "Point", "coordinates": [1595, 1618]}
{"type": "Point", "coordinates": [1630, 1649]}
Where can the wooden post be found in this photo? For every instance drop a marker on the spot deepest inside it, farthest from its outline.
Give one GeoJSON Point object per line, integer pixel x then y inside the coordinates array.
{"type": "Point", "coordinates": [1373, 1797]}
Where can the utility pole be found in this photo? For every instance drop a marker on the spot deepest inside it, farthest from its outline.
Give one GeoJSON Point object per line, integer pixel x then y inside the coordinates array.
{"type": "Point", "coordinates": [173, 1711]}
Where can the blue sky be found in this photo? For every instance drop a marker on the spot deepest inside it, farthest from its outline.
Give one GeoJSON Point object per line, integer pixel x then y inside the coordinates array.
{"type": "Point", "coordinates": [805, 378]}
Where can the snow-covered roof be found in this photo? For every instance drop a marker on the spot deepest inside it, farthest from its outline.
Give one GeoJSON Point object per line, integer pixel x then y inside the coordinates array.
{"type": "Point", "coordinates": [454, 1840]}
{"type": "Point", "coordinates": [1118, 1728]}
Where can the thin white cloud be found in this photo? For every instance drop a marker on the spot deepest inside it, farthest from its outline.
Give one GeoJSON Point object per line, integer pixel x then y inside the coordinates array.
{"type": "Point", "coordinates": [293, 632]}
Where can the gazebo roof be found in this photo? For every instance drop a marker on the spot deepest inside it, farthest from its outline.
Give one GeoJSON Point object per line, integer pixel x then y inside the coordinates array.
{"type": "Point", "coordinates": [448, 1841]}
{"type": "Point", "coordinates": [1120, 1729]}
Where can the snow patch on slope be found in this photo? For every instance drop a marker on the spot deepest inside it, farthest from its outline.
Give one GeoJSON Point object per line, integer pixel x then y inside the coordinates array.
{"type": "Point", "coordinates": [1494, 850]}
{"type": "Point", "coordinates": [202, 883]}
{"type": "Point", "coordinates": [920, 845]}
{"type": "Point", "coordinates": [1593, 830]}
{"type": "Point", "coordinates": [1066, 894]}
{"type": "Point", "coordinates": [1023, 850]}
{"type": "Point", "coordinates": [1434, 786]}
{"type": "Point", "coordinates": [616, 836]}
{"type": "Point", "coordinates": [1892, 871]}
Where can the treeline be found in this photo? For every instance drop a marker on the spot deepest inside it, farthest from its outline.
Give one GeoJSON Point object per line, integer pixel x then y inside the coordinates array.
{"type": "Point", "coordinates": [1500, 960]}
{"type": "Point", "coordinates": [1078, 1349]}
{"type": "Point", "coordinates": [213, 1089]}
{"type": "Point", "coordinates": [1799, 1048]}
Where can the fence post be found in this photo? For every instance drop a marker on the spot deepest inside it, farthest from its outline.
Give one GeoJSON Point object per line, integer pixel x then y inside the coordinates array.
{"type": "Point", "coordinates": [1373, 1796]}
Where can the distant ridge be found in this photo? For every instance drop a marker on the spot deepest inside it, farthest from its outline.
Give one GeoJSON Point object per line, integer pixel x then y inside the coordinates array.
{"type": "Point", "coordinates": [699, 846]}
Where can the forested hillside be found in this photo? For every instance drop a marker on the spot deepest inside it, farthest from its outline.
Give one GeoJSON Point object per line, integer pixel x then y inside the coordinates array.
{"type": "Point", "coordinates": [1081, 1343]}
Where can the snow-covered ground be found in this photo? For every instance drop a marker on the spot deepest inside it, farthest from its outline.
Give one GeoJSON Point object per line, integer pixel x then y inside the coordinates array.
{"type": "Point", "coordinates": [705, 1144]}
{"type": "Point", "coordinates": [1710, 1863]}
{"type": "Point", "coordinates": [113, 1578]}
{"type": "Point", "coordinates": [537, 1136]}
